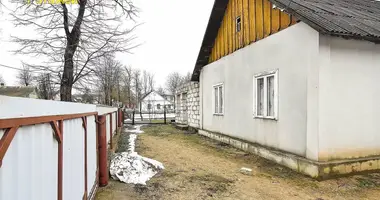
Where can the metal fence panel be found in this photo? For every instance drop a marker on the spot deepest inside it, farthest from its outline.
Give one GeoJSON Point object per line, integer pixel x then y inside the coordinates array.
{"type": "Point", "coordinates": [91, 153]}
{"type": "Point", "coordinates": [12, 107]}
{"type": "Point", "coordinates": [73, 159]}
{"type": "Point", "coordinates": [114, 122]}
{"type": "Point", "coordinates": [29, 169]}
{"type": "Point", "coordinates": [108, 119]}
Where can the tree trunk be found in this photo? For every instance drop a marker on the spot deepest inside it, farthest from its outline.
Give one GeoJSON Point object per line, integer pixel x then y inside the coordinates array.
{"type": "Point", "coordinates": [142, 119]}
{"type": "Point", "coordinates": [71, 46]}
{"type": "Point", "coordinates": [67, 77]}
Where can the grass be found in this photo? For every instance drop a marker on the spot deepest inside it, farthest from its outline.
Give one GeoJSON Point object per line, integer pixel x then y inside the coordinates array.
{"type": "Point", "coordinates": [367, 182]}
{"type": "Point", "coordinates": [267, 168]}
{"type": "Point", "coordinates": [157, 121]}
{"type": "Point", "coordinates": [160, 130]}
{"type": "Point", "coordinates": [209, 177]}
{"type": "Point", "coordinates": [214, 183]}
{"type": "Point", "coordinates": [206, 182]}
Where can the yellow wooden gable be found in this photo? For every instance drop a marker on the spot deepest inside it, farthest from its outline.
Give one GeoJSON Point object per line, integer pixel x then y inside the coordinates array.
{"type": "Point", "coordinates": [258, 20]}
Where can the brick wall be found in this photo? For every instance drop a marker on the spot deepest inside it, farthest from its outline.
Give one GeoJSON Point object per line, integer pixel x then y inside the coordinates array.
{"type": "Point", "coordinates": [187, 111]}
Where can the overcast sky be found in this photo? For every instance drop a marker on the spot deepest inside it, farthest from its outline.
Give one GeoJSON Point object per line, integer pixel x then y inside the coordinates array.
{"type": "Point", "coordinates": [171, 35]}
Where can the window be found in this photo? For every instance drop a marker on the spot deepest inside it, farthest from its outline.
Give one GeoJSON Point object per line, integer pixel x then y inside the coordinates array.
{"type": "Point", "coordinates": [184, 101]}
{"type": "Point", "coordinates": [266, 101]}
{"type": "Point", "coordinates": [238, 24]}
{"type": "Point", "coordinates": [158, 106]}
{"type": "Point", "coordinates": [149, 106]}
{"type": "Point", "coordinates": [218, 99]}
{"type": "Point", "coordinates": [184, 96]}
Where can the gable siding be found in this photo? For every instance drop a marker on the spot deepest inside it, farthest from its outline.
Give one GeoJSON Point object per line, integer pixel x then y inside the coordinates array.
{"type": "Point", "coordinates": [258, 20]}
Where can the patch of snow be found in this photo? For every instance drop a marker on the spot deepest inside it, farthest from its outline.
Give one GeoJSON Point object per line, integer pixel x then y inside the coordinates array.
{"type": "Point", "coordinates": [129, 167]}
{"type": "Point", "coordinates": [133, 168]}
{"type": "Point", "coordinates": [137, 130]}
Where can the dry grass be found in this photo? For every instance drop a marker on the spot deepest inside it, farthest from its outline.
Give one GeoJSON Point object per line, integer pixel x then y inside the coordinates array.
{"type": "Point", "coordinates": [199, 168]}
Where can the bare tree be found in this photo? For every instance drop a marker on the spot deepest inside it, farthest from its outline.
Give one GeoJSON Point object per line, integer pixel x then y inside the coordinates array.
{"type": "Point", "coordinates": [127, 79]}
{"type": "Point", "coordinates": [173, 81]}
{"type": "Point", "coordinates": [108, 76]}
{"type": "Point", "coordinates": [46, 88]}
{"type": "Point", "coordinates": [186, 78]}
{"type": "Point", "coordinates": [87, 97]}
{"type": "Point", "coordinates": [2, 81]}
{"type": "Point", "coordinates": [147, 82]}
{"type": "Point", "coordinates": [160, 90]}
{"type": "Point", "coordinates": [25, 76]}
{"type": "Point", "coordinates": [72, 36]}
{"type": "Point", "coordinates": [138, 89]}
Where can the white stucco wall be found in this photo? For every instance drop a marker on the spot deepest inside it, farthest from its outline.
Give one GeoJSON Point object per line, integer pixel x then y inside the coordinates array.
{"type": "Point", "coordinates": [349, 99]}
{"type": "Point", "coordinates": [293, 52]}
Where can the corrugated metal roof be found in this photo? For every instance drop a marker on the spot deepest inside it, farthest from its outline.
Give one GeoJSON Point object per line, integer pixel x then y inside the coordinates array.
{"type": "Point", "coordinates": [356, 19]}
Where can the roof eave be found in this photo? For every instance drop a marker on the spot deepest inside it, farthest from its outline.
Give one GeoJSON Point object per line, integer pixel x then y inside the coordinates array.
{"type": "Point", "coordinates": [215, 19]}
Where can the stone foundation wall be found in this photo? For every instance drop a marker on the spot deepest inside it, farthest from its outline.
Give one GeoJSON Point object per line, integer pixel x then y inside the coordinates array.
{"type": "Point", "coordinates": [187, 106]}
{"type": "Point", "coordinates": [314, 169]}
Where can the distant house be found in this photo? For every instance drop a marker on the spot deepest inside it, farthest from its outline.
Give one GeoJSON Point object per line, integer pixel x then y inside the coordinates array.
{"type": "Point", "coordinates": [168, 97]}
{"type": "Point", "coordinates": [154, 102]}
{"type": "Point", "coordinates": [296, 82]}
{"type": "Point", "coordinates": [19, 91]}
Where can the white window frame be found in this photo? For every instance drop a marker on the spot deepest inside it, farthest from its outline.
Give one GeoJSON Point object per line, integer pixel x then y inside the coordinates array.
{"type": "Point", "coordinates": [265, 75]}
{"type": "Point", "coordinates": [213, 98]}
{"type": "Point", "coordinates": [238, 25]}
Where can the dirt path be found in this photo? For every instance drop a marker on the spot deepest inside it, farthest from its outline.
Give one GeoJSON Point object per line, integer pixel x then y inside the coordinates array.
{"type": "Point", "coordinates": [198, 168]}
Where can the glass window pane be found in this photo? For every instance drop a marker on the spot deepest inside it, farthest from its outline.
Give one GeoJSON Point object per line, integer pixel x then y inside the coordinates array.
{"type": "Point", "coordinates": [220, 99]}
{"type": "Point", "coordinates": [260, 97]}
{"type": "Point", "coordinates": [270, 98]}
{"type": "Point", "coordinates": [216, 99]}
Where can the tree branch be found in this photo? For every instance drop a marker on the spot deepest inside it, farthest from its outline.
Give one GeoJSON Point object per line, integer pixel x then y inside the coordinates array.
{"type": "Point", "coordinates": [65, 20]}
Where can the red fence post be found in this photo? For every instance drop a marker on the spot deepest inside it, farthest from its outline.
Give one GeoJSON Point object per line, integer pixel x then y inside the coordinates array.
{"type": "Point", "coordinates": [102, 139]}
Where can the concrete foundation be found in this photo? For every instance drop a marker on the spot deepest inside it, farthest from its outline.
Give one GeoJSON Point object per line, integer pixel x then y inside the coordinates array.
{"type": "Point", "coordinates": [314, 169]}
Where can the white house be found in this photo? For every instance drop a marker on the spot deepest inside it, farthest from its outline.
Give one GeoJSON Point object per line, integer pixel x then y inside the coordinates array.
{"type": "Point", "coordinates": [296, 82]}
{"type": "Point", "coordinates": [155, 103]}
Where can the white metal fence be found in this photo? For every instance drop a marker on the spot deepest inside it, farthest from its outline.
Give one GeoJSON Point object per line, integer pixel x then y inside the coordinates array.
{"type": "Point", "coordinates": [29, 159]}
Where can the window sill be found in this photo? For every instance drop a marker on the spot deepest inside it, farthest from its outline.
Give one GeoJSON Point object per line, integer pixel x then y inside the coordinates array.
{"type": "Point", "coordinates": [263, 117]}
{"type": "Point", "coordinates": [221, 114]}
